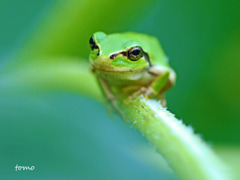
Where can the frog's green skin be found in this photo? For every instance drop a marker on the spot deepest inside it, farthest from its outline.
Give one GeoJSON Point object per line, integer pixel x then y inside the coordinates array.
{"type": "Point", "coordinates": [117, 74]}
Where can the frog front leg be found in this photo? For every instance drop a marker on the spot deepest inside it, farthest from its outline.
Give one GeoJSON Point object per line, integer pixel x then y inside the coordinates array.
{"type": "Point", "coordinates": [164, 79]}
{"type": "Point", "coordinates": [159, 86]}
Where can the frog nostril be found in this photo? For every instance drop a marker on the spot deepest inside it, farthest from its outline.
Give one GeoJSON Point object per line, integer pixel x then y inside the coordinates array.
{"type": "Point", "coordinates": [113, 56]}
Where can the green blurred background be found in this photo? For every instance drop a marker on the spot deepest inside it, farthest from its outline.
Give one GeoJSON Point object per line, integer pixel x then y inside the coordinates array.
{"type": "Point", "coordinates": [66, 135]}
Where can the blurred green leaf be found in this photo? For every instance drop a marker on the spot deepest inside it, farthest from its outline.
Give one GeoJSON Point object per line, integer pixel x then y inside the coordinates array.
{"type": "Point", "coordinates": [68, 27]}
{"type": "Point", "coordinates": [66, 136]}
{"type": "Point", "coordinates": [58, 74]}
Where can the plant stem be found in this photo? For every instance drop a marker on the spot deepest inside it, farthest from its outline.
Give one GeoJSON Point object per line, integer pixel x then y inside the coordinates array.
{"type": "Point", "coordinates": [184, 151]}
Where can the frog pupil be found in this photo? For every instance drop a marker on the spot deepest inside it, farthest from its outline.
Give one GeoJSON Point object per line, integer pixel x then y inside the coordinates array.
{"type": "Point", "coordinates": [136, 52]}
{"type": "Point", "coordinates": [91, 42]}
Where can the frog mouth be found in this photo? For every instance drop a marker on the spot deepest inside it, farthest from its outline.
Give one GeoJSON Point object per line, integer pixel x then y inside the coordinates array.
{"type": "Point", "coordinates": [104, 70]}
{"type": "Point", "coordinates": [118, 71]}
{"type": "Point", "coordinates": [122, 70]}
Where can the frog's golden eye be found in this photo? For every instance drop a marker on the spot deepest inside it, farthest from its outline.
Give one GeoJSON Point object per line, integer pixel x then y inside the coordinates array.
{"type": "Point", "coordinates": [135, 53]}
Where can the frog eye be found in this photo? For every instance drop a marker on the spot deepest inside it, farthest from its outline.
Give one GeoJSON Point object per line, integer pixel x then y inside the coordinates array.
{"type": "Point", "coordinates": [135, 53]}
{"type": "Point", "coordinates": [92, 43]}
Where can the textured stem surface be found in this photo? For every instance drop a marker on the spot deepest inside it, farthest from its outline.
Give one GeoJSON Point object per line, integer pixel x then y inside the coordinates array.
{"type": "Point", "coordinates": [184, 151]}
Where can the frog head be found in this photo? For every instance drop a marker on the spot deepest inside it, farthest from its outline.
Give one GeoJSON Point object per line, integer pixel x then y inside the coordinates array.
{"type": "Point", "coordinates": [117, 53]}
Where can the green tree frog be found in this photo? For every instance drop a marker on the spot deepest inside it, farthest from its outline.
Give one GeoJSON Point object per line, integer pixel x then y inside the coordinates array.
{"type": "Point", "coordinates": [129, 64]}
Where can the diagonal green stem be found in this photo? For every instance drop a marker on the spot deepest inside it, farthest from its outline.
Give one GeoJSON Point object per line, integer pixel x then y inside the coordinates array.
{"type": "Point", "coordinates": [185, 152]}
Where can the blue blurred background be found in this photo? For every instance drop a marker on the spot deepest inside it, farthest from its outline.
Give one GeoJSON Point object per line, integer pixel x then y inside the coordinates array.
{"type": "Point", "coordinates": [66, 135]}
